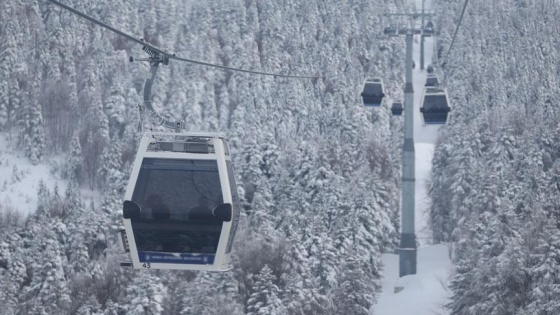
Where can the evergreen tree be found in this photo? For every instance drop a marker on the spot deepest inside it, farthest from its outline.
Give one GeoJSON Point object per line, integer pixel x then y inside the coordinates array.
{"type": "Point", "coordinates": [13, 271]}
{"type": "Point", "coordinates": [354, 293]}
{"type": "Point", "coordinates": [91, 307]}
{"type": "Point", "coordinates": [73, 167]}
{"type": "Point", "coordinates": [265, 298]}
{"type": "Point", "coordinates": [110, 166]}
{"type": "Point", "coordinates": [211, 294]}
{"type": "Point", "coordinates": [114, 107]}
{"type": "Point", "coordinates": [9, 88]}
{"type": "Point", "coordinates": [544, 272]}
{"type": "Point", "coordinates": [324, 267]}
{"type": "Point", "coordinates": [47, 292]}
{"type": "Point", "coordinates": [300, 288]}
{"type": "Point", "coordinates": [32, 137]}
{"type": "Point", "coordinates": [145, 294]}
{"type": "Point", "coordinates": [4, 95]}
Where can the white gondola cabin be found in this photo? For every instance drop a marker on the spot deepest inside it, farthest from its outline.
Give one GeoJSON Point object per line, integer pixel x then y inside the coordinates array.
{"type": "Point", "coordinates": [435, 106]}
{"type": "Point", "coordinates": [397, 108]}
{"type": "Point", "coordinates": [373, 92]}
{"type": "Point", "coordinates": [181, 208]}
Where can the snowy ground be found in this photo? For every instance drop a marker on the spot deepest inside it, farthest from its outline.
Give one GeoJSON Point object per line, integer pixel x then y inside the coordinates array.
{"type": "Point", "coordinates": [19, 179]}
{"type": "Point", "coordinates": [425, 292]}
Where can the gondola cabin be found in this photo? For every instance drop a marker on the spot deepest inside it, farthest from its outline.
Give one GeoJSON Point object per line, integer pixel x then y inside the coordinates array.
{"type": "Point", "coordinates": [373, 92]}
{"type": "Point", "coordinates": [428, 30]}
{"type": "Point", "coordinates": [430, 69]}
{"type": "Point", "coordinates": [181, 208]}
{"type": "Point", "coordinates": [435, 106]}
{"type": "Point", "coordinates": [391, 31]}
{"type": "Point", "coordinates": [397, 108]}
{"type": "Point", "coordinates": [432, 80]}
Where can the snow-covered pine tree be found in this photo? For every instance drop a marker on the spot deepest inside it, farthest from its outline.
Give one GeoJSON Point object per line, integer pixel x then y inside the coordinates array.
{"type": "Point", "coordinates": [109, 170]}
{"type": "Point", "coordinates": [32, 136]}
{"type": "Point", "coordinates": [115, 107]}
{"type": "Point", "coordinates": [47, 293]}
{"type": "Point", "coordinates": [355, 291]}
{"type": "Point", "coordinates": [13, 270]}
{"type": "Point", "coordinates": [9, 88]}
{"type": "Point", "coordinates": [265, 298]}
{"type": "Point", "coordinates": [145, 294]}
{"type": "Point", "coordinates": [211, 294]}
{"type": "Point", "coordinates": [73, 168]}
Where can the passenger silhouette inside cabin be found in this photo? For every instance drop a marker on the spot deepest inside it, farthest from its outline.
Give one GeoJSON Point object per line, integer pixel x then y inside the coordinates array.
{"type": "Point", "coordinates": [202, 211]}
{"type": "Point", "coordinates": [160, 211]}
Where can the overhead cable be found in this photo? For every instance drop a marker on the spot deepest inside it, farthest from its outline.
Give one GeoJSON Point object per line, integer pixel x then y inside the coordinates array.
{"type": "Point", "coordinates": [173, 56]}
{"type": "Point", "coordinates": [455, 35]}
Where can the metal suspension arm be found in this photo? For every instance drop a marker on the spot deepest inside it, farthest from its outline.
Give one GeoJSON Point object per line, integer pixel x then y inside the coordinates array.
{"type": "Point", "coordinates": [155, 59]}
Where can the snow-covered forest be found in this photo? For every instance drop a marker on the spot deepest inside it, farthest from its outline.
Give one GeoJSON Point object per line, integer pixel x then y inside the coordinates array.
{"type": "Point", "coordinates": [318, 174]}
{"type": "Point", "coordinates": [496, 169]}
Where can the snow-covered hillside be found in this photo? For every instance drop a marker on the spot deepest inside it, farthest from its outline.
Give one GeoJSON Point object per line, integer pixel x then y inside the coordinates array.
{"type": "Point", "coordinates": [19, 179]}
{"type": "Point", "coordinates": [316, 172]}
{"type": "Point", "coordinates": [424, 293]}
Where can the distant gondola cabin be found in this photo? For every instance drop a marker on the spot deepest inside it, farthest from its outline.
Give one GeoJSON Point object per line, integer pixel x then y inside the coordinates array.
{"type": "Point", "coordinates": [432, 80]}
{"type": "Point", "coordinates": [391, 31]}
{"type": "Point", "coordinates": [373, 92]}
{"type": "Point", "coordinates": [181, 207]}
{"type": "Point", "coordinates": [430, 69]}
{"type": "Point", "coordinates": [397, 108]}
{"type": "Point", "coordinates": [435, 106]}
{"type": "Point", "coordinates": [428, 29]}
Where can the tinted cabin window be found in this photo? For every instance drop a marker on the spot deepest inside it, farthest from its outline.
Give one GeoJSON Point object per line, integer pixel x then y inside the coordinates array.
{"type": "Point", "coordinates": [435, 102]}
{"type": "Point", "coordinates": [432, 82]}
{"type": "Point", "coordinates": [176, 198]}
{"type": "Point", "coordinates": [372, 89]}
